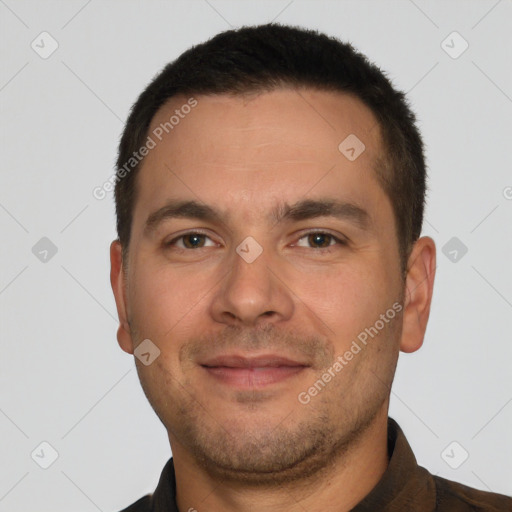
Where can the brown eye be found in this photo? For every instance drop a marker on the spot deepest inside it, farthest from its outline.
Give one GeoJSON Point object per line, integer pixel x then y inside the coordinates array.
{"type": "Point", "coordinates": [191, 240]}
{"type": "Point", "coordinates": [320, 239]}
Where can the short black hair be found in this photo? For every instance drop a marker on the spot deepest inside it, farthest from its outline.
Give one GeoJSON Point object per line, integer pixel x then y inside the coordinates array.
{"type": "Point", "coordinates": [272, 56]}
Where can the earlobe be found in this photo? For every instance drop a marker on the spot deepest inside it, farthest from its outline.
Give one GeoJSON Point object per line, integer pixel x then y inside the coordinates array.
{"type": "Point", "coordinates": [117, 280]}
{"type": "Point", "coordinates": [419, 288]}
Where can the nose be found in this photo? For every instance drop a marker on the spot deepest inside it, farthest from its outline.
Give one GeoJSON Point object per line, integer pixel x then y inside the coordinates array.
{"type": "Point", "coordinates": [252, 294]}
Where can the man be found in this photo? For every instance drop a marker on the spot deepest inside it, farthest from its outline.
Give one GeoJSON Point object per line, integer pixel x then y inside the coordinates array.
{"type": "Point", "coordinates": [269, 269]}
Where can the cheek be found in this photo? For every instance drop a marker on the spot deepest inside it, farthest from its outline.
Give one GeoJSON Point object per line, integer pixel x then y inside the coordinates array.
{"type": "Point", "coordinates": [346, 298]}
{"type": "Point", "coordinates": [161, 300]}
{"type": "Point", "coordinates": [351, 303]}
{"type": "Point", "coordinates": [170, 307]}
{"type": "Point", "coordinates": [161, 384]}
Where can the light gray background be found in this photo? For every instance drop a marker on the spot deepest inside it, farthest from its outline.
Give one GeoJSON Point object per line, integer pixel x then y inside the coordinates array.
{"type": "Point", "coordinates": [63, 378]}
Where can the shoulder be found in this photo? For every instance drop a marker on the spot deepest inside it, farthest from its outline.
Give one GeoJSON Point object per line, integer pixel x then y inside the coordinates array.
{"type": "Point", "coordinates": [142, 505]}
{"type": "Point", "coordinates": [454, 497]}
{"type": "Point", "coordinates": [163, 499]}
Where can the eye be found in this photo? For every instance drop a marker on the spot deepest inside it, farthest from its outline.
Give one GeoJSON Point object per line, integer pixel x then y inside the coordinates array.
{"type": "Point", "coordinates": [191, 240]}
{"type": "Point", "coordinates": [320, 240]}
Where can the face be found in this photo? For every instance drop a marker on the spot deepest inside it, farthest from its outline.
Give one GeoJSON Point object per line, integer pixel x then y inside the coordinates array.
{"type": "Point", "coordinates": [263, 264]}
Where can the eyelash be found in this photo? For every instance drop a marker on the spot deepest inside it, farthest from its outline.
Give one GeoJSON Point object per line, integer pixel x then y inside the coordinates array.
{"type": "Point", "coordinates": [327, 249]}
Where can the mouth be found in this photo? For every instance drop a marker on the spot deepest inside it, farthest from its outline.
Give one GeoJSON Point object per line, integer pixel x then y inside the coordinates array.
{"type": "Point", "coordinates": [252, 372]}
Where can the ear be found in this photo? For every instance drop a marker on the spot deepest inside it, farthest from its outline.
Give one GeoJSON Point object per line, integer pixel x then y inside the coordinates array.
{"type": "Point", "coordinates": [118, 282]}
{"type": "Point", "coordinates": [419, 286]}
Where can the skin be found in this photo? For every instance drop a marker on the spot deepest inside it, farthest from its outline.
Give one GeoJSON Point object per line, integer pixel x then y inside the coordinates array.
{"type": "Point", "coordinates": [252, 447]}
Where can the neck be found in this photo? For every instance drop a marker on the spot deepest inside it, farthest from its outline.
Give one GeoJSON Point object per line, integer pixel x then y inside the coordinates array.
{"type": "Point", "coordinates": [338, 487]}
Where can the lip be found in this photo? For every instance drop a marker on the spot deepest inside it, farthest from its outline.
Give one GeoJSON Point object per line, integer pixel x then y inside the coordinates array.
{"type": "Point", "coordinates": [250, 372]}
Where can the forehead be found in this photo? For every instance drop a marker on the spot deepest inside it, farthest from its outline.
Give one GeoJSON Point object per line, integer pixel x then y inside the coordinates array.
{"type": "Point", "coordinates": [287, 143]}
{"type": "Point", "coordinates": [301, 119]}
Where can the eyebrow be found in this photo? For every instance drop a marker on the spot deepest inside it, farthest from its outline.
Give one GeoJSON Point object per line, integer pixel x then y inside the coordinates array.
{"type": "Point", "coordinates": [311, 208]}
{"type": "Point", "coordinates": [182, 210]}
{"type": "Point", "coordinates": [302, 210]}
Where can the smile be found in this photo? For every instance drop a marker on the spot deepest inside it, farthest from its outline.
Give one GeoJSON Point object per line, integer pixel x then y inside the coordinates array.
{"type": "Point", "coordinates": [252, 372]}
